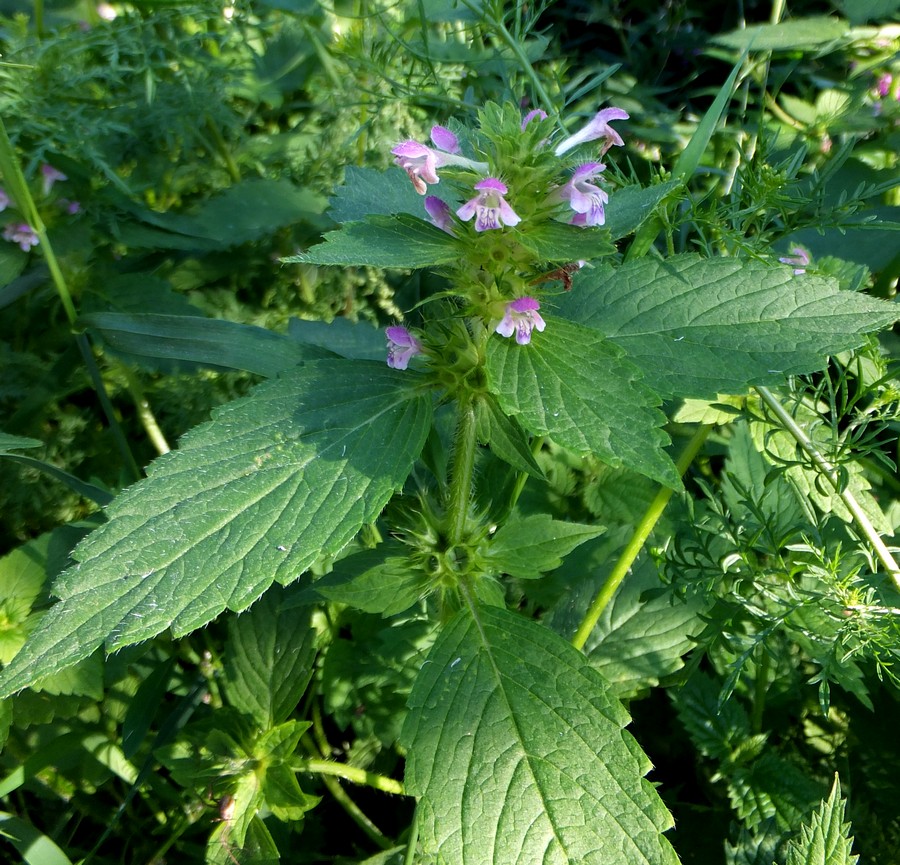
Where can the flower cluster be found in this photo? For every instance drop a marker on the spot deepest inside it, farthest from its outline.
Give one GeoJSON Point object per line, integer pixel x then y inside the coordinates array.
{"type": "Point", "coordinates": [22, 233]}
{"type": "Point", "coordinates": [577, 199]}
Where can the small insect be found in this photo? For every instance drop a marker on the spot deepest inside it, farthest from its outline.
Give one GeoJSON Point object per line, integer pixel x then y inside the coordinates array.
{"type": "Point", "coordinates": [564, 274]}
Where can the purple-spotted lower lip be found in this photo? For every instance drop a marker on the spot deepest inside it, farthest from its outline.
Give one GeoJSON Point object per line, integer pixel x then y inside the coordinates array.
{"type": "Point", "coordinates": [491, 184]}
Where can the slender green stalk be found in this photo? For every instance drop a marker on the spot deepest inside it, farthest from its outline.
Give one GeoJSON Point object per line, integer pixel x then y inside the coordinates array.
{"type": "Point", "coordinates": [636, 544]}
{"type": "Point", "coordinates": [145, 413]}
{"type": "Point", "coordinates": [760, 690]}
{"type": "Point", "coordinates": [463, 470]}
{"type": "Point", "coordinates": [350, 773]}
{"type": "Point", "coordinates": [831, 474]}
{"type": "Point", "coordinates": [413, 841]}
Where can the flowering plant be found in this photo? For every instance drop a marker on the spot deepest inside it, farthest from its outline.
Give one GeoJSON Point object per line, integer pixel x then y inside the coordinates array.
{"type": "Point", "coordinates": [407, 482]}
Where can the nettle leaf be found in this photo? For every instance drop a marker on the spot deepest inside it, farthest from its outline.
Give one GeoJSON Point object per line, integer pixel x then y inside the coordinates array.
{"type": "Point", "coordinates": [269, 657]}
{"type": "Point", "coordinates": [381, 580]}
{"type": "Point", "coordinates": [631, 206]}
{"type": "Point", "coordinates": [699, 327]}
{"type": "Point", "coordinates": [556, 241]}
{"type": "Point", "coordinates": [517, 753]}
{"type": "Point", "coordinates": [575, 386]}
{"type": "Point", "coordinates": [384, 241]}
{"type": "Point", "coordinates": [824, 838]}
{"type": "Point", "coordinates": [275, 481]}
{"type": "Point", "coordinates": [637, 642]}
{"type": "Point", "coordinates": [368, 191]}
{"type": "Point", "coordinates": [531, 546]}
{"type": "Point", "coordinates": [505, 436]}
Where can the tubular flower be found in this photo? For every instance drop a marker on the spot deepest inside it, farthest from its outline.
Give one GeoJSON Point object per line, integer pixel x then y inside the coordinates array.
{"type": "Point", "coordinates": [799, 258]}
{"type": "Point", "coordinates": [21, 233]}
{"type": "Point", "coordinates": [538, 113]}
{"type": "Point", "coordinates": [521, 318]}
{"type": "Point", "coordinates": [421, 162]}
{"type": "Point", "coordinates": [587, 200]}
{"type": "Point", "coordinates": [598, 128]}
{"type": "Point", "coordinates": [439, 213]}
{"type": "Point", "coordinates": [49, 176]}
{"type": "Point", "coordinates": [401, 346]}
{"type": "Point", "coordinates": [489, 207]}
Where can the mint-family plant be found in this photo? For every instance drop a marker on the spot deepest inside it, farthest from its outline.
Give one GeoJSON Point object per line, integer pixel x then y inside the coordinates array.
{"type": "Point", "coordinates": [379, 481]}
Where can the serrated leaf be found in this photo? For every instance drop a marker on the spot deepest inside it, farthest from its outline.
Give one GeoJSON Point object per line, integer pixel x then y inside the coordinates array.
{"type": "Point", "coordinates": [284, 797]}
{"type": "Point", "coordinates": [384, 241]}
{"type": "Point", "coordinates": [257, 847]}
{"type": "Point", "coordinates": [514, 765]}
{"type": "Point", "coordinates": [367, 191]}
{"type": "Point", "coordinates": [793, 35]}
{"type": "Point", "coordinates": [531, 546]}
{"type": "Point", "coordinates": [824, 837]}
{"type": "Point", "coordinates": [575, 386]}
{"type": "Point", "coordinates": [556, 241]}
{"type": "Point", "coordinates": [275, 481]}
{"type": "Point", "coordinates": [772, 787]}
{"type": "Point", "coordinates": [212, 343]}
{"type": "Point", "coordinates": [636, 642]}
{"type": "Point", "coordinates": [378, 581]}
{"type": "Point", "coordinates": [698, 327]}
{"type": "Point", "coordinates": [505, 436]}
{"type": "Point", "coordinates": [715, 731]}
{"type": "Point", "coordinates": [631, 206]}
{"type": "Point", "coordinates": [268, 658]}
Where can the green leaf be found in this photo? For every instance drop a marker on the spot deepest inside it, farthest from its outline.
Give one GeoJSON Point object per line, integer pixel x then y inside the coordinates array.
{"type": "Point", "coordinates": [631, 206]}
{"type": "Point", "coordinates": [275, 481]}
{"type": "Point", "coordinates": [556, 241]}
{"type": "Point", "coordinates": [212, 343]}
{"type": "Point", "coordinates": [367, 191]}
{"type": "Point", "coordinates": [698, 327]}
{"type": "Point", "coordinates": [824, 838]}
{"type": "Point", "coordinates": [517, 753]}
{"type": "Point", "coordinates": [17, 443]}
{"type": "Point", "coordinates": [357, 340]}
{"type": "Point", "coordinates": [575, 386]}
{"type": "Point", "coordinates": [505, 436]}
{"type": "Point", "coordinates": [799, 34]}
{"type": "Point", "coordinates": [715, 731]}
{"type": "Point", "coordinates": [531, 546]}
{"type": "Point", "coordinates": [268, 658]}
{"type": "Point", "coordinates": [22, 576]}
{"type": "Point", "coordinates": [637, 642]}
{"type": "Point", "coordinates": [34, 847]}
{"type": "Point", "coordinates": [257, 846]}
{"type": "Point", "coordinates": [284, 797]}
{"type": "Point", "coordinates": [384, 241]}
{"type": "Point", "coordinates": [381, 581]}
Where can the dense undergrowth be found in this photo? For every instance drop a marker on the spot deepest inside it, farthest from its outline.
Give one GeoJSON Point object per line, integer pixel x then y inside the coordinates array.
{"type": "Point", "coordinates": [451, 607]}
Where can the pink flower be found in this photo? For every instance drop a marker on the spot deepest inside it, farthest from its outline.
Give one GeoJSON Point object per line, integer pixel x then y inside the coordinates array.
{"type": "Point", "coordinates": [401, 346]}
{"type": "Point", "coordinates": [598, 128]}
{"type": "Point", "coordinates": [489, 207]}
{"type": "Point", "coordinates": [883, 86]}
{"type": "Point", "coordinates": [49, 176]}
{"type": "Point", "coordinates": [531, 115]}
{"type": "Point", "coordinates": [588, 201]}
{"type": "Point", "coordinates": [439, 213]}
{"type": "Point", "coordinates": [21, 233]}
{"type": "Point", "coordinates": [521, 318]}
{"type": "Point", "coordinates": [799, 258]}
{"type": "Point", "coordinates": [421, 162]}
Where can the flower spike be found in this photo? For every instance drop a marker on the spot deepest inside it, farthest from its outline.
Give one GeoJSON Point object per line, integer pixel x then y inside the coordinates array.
{"type": "Point", "coordinates": [522, 317]}
{"type": "Point", "coordinates": [598, 128]}
{"type": "Point", "coordinates": [489, 207]}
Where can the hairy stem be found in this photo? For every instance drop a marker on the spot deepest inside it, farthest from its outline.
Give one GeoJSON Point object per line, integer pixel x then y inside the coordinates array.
{"type": "Point", "coordinates": [463, 469]}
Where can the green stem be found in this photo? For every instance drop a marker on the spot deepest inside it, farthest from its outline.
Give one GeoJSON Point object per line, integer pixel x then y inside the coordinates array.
{"type": "Point", "coordinates": [831, 474]}
{"type": "Point", "coordinates": [145, 413]}
{"type": "Point", "coordinates": [636, 544]}
{"type": "Point", "coordinates": [350, 773]}
{"type": "Point", "coordinates": [761, 687]}
{"type": "Point", "coordinates": [463, 470]}
{"type": "Point", "coordinates": [413, 841]}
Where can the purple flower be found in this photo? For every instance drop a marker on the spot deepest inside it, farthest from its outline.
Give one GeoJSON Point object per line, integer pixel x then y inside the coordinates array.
{"type": "Point", "coordinates": [440, 213]}
{"type": "Point", "coordinates": [49, 176]}
{"type": "Point", "coordinates": [401, 346]}
{"type": "Point", "coordinates": [538, 113]}
{"type": "Point", "coordinates": [521, 318]}
{"type": "Point", "coordinates": [21, 233]}
{"type": "Point", "coordinates": [421, 162]}
{"type": "Point", "coordinates": [489, 207]}
{"type": "Point", "coordinates": [883, 87]}
{"type": "Point", "coordinates": [586, 199]}
{"type": "Point", "coordinates": [598, 128]}
{"type": "Point", "coordinates": [4, 199]}
{"type": "Point", "coordinates": [799, 258]}
{"type": "Point", "coordinates": [70, 207]}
